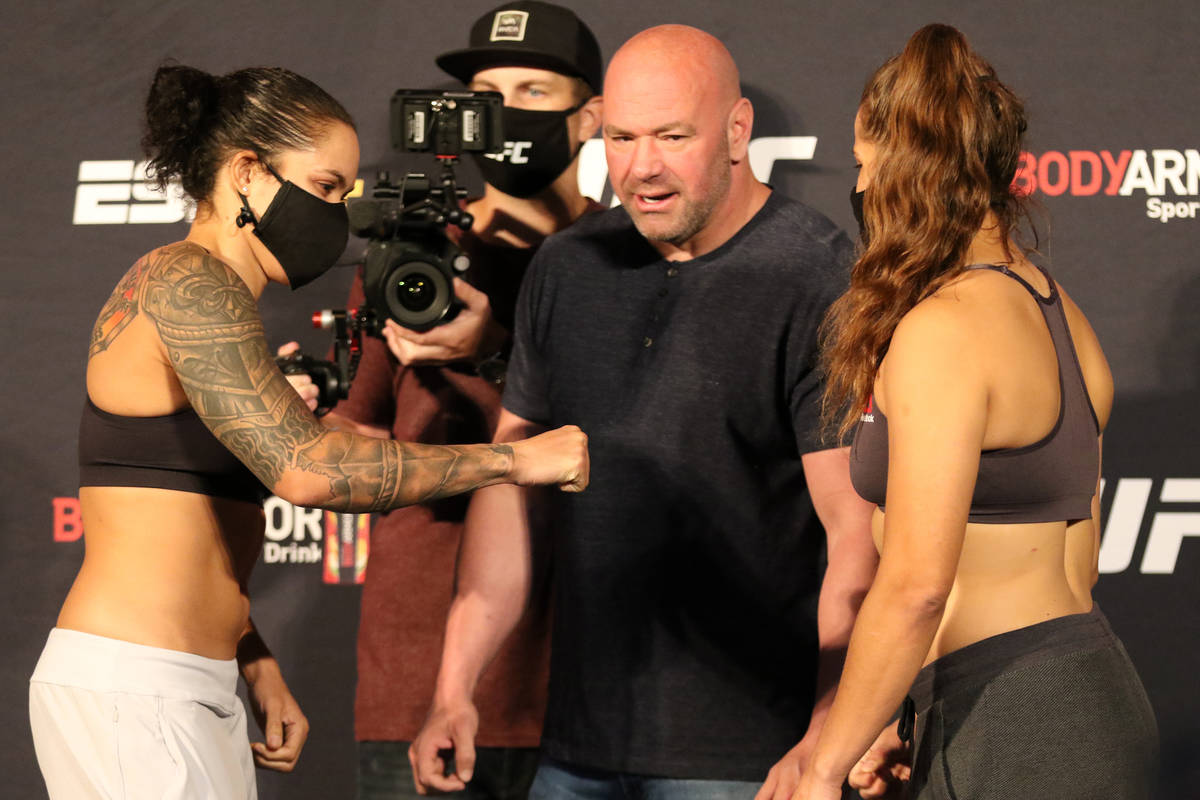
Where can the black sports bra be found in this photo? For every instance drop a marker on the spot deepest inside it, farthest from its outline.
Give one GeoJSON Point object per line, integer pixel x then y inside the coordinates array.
{"type": "Point", "coordinates": [173, 451]}
{"type": "Point", "coordinates": [1050, 480]}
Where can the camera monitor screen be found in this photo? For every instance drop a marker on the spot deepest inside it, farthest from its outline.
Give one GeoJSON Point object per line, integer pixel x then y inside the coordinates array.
{"type": "Point", "coordinates": [446, 123]}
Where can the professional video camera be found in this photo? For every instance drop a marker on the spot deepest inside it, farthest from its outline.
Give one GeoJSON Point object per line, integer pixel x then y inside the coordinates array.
{"type": "Point", "coordinates": [408, 274]}
{"type": "Point", "coordinates": [410, 264]}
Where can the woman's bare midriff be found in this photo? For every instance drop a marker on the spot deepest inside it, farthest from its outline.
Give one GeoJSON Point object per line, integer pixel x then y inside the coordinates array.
{"type": "Point", "coordinates": [164, 568]}
{"type": "Point", "coordinates": [1009, 577]}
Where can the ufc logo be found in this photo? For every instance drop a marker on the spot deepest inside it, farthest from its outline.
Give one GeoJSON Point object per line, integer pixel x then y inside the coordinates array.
{"type": "Point", "coordinates": [763, 153]}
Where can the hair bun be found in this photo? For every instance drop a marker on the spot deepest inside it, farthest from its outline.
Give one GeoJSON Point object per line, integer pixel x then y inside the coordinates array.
{"type": "Point", "coordinates": [194, 120]}
{"type": "Point", "coordinates": [180, 108]}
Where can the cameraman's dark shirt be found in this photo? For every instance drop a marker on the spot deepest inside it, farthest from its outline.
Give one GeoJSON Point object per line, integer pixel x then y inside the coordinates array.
{"type": "Point", "coordinates": [410, 570]}
{"type": "Point", "coordinates": [686, 576]}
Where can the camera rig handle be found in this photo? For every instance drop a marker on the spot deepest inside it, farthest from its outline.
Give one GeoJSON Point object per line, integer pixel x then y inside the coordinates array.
{"type": "Point", "coordinates": [332, 378]}
{"type": "Point", "coordinates": [348, 326]}
{"type": "Point", "coordinates": [442, 199]}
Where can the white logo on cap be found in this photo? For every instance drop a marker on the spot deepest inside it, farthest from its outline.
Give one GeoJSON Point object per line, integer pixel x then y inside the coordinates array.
{"type": "Point", "coordinates": [509, 26]}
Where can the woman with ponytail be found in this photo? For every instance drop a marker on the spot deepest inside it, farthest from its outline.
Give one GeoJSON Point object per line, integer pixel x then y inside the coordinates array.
{"type": "Point", "coordinates": [187, 424]}
{"type": "Point", "coordinates": [976, 394]}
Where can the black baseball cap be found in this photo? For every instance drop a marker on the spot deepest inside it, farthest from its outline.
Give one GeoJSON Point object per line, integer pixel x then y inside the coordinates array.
{"type": "Point", "coordinates": [529, 33]}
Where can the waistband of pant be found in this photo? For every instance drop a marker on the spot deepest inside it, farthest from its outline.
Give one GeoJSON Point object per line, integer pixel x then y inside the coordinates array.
{"type": "Point", "coordinates": [99, 664]}
{"type": "Point", "coordinates": [980, 662]}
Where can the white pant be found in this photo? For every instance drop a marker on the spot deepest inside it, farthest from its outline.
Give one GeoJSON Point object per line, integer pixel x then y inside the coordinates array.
{"type": "Point", "coordinates": [112, 719]}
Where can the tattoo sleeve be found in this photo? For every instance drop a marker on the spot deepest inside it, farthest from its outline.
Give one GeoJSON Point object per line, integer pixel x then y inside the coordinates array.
{"type": "Point", "coordinates": [208, 322]}
{"type": "Point", "coordinates": [119, 311]}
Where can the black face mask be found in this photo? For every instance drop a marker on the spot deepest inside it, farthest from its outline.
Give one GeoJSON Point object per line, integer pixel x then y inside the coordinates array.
{"type": "Point", "coordinates": [856, 203]}
{"type": "Point", "coordinates": [537, 149]}
{"type": "Point", "coordinates": [305, 233]}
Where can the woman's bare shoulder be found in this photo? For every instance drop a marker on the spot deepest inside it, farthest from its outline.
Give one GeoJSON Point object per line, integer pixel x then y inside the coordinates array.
{"type": "Point", "coordinates": [179, 282]}
{"type": "Point", "coordinates": [951, 315]}
{"type": "Point", "coordinates": [937, 336]}
{"type": "Point", "coordinates": [945, 336]}
{"type": "Point", "coordinates": [124, 304]}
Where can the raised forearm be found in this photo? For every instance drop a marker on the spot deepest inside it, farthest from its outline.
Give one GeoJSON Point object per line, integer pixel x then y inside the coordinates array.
{"type": "Point", "coordinates": [212, 336]}
{"type": "Point", "coordinates": [312, 465]}
{"type": "Point", "coordinates": [337, 422]}
{"type": "Point", "coordinates": [347, 472]}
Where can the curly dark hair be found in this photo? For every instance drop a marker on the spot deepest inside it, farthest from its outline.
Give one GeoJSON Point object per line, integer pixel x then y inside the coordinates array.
{"type": "Point", "coordinates": [194, 120]}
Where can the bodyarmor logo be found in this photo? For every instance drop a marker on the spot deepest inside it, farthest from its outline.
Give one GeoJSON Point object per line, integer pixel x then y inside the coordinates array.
{"type": "Point", "coordinates": [509, 26]}
{"type": "Point", "coordinates": [117, 193]}
{"type": "Point", "coordinates": [1082, 173]}
{"type": "Point", "coordinates": [764, 152]}
{"type": "Point", "coordinates": [298, 535]}
{"type": "Point", "coordinates": [304, 527]}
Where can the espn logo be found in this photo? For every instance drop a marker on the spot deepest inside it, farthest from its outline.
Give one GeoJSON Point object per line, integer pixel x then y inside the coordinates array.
{"type": "Point", "coordinates": [117, 193]}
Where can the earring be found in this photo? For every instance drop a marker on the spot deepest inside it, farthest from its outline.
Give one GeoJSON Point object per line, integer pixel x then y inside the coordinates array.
{"type": "Point", "coordinates": [245, 189]}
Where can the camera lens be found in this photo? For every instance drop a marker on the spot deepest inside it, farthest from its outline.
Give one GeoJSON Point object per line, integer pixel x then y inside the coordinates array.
{"type": "Point", "coordinates": [415, 291]}
{"type": "Point", "coordinates": [418, 294]}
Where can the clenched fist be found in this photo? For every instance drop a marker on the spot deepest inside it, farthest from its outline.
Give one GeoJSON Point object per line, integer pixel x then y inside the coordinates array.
{"type": "Point", "coordinates": [558, 457]}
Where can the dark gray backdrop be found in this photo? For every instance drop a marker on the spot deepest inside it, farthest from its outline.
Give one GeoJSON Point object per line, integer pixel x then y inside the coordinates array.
{"type": "Point", "coordinates": [1100, 79]}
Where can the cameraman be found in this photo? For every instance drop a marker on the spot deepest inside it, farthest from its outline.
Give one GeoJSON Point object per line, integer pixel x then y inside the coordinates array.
{"type": "Point", "coordinates": [443, 386]}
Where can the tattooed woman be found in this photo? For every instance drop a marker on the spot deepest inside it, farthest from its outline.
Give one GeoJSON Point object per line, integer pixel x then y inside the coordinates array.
{"type": "Point", "coordinates": [187, 419]}
{"type": "Point", "coordinates": [984, 469]}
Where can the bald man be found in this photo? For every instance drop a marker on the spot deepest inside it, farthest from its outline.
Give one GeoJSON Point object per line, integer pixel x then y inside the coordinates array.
{"type": "Point", "coordinates": [696, 639]}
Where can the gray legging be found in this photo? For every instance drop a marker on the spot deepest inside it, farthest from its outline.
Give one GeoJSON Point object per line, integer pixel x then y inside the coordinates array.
{"type": "Point", "coordinates": [1055, 710]}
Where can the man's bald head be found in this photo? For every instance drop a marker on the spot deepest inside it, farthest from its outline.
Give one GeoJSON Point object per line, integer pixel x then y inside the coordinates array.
{"type": "Point", "coordinates": [677, 53]}
{"type": "Point", "coordinates": [676, 136]}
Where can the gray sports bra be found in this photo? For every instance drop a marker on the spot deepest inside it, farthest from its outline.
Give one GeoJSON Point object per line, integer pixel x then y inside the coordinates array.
{"type": "Point", "coordinates": [1052, 479]}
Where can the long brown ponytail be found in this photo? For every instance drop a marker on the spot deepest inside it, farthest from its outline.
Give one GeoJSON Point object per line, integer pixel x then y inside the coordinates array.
{"type": "Point", "coordinates": [948, 139]}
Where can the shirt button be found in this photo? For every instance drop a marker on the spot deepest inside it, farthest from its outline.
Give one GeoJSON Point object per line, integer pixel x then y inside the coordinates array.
{"type": "Point", "coordinates": [672, 272]}
{"type": "Point", "coordinates": [662, 292]}
{"type": "Point", "coordinates": [647, 342]}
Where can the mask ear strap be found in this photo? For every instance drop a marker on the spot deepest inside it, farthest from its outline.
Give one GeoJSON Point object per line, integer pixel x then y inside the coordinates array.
{"type": "Point", "coordinates": [270, 169]}
{"type": "Point", "coordinates": [246, 216]}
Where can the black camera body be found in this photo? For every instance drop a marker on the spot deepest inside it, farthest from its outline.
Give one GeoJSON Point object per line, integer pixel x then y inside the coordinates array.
{"type": "Point", "coordinates": [409, 267]}
{"type": "Point", "coordinates": [410, 264]}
